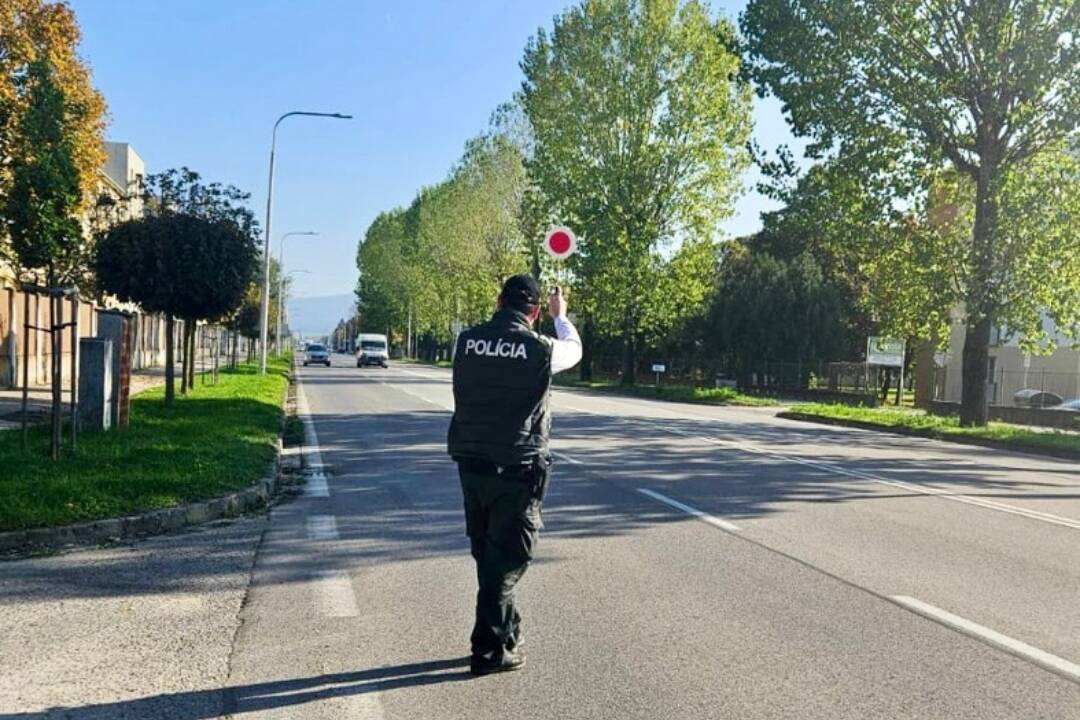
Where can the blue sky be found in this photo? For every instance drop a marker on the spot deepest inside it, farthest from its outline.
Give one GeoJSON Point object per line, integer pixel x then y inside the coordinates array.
{"type": "Point", "coordinates": [200, 82]}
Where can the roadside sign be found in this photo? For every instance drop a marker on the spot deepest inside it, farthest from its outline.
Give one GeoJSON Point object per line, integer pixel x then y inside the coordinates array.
{"type": "Point", "coordinates": [884, 351]}
{"type": "Point", "coordinates": [658, 368]}
{"type": "Point", "coordinates": [560, 242]}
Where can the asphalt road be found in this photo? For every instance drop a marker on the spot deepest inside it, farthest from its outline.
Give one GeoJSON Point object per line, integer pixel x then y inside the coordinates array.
{"type": "Point", "coordinates": [697, 562]}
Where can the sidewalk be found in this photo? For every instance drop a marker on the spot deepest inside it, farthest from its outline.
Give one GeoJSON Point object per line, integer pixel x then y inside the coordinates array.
{"type": "Point", "coordinates": [40, 397]}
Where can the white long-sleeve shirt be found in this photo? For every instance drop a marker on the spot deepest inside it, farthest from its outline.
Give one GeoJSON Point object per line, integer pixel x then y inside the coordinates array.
{"type": "Point", "coordinates": [566, 352]}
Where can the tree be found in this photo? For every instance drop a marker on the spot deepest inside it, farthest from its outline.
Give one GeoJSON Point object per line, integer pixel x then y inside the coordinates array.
{"type": "Point", "coordinates": [40, 205]}
{"type": "Point", "coordinates": [245, 320]}
{"type": "Point", "coordinates": [41, 73]}
{"type": "Point", "coordinates": [897, 89]}
{"type": "Point", "coordinates": [442, 259]}
{"type": "Point", "coordinates": [640, 121]}
{"type": "Point", "coordinates": [384, 291]}
{"type": "Point", "coordinates": [44, 196]}
{"type": "Point", "coordinates": [179, 264]}
{"type": "Point", "coordinates": [771, 308]}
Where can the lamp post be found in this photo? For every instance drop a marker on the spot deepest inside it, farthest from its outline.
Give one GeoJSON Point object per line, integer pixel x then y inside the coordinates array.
{"type": "Point", "coordinates": [281, 309]}
{"type": "Point", "coordinates": [281, 281]}
{"type": "Point", "coordinates": [264, 309]}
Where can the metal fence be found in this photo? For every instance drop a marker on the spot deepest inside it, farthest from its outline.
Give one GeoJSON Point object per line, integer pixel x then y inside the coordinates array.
{"type": "Point", "coordinates": [1021, 388]}
{"type": "Point", "coordinates": [835, 379]}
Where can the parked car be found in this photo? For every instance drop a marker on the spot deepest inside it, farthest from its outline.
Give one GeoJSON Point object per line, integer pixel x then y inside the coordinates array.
{"type": "Point", "coordinates": [316, 354]}
{"type": "Point", "coordinates": [1069, 406]}
{"type": "Point", "coordinates": [371, 349]}
{"type": "Point", "coordinates": [1031, 398]}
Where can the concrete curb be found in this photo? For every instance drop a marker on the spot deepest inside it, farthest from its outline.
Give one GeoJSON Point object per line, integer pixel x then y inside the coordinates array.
{"type": "Point", "coordinates": [19, 543]}
{"type": "Point", "coordinates": [1021, 448]}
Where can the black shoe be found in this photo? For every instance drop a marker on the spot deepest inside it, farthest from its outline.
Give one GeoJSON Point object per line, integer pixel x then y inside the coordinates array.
{"type": "Point", "coordinates": [496, 662]}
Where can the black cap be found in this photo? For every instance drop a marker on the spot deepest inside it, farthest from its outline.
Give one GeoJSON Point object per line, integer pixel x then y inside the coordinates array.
{"type": "Point", "coordinates": [520, 292]}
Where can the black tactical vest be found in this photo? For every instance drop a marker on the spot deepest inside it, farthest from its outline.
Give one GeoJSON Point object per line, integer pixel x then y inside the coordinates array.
{"type": "Point", "coordinates": [502, 378]}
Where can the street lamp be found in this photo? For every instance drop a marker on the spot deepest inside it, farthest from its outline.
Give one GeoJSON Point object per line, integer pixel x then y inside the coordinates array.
{"type": "Point", "coordinates": [264, 310]}
{"type": "Point", "coordinates": [281, 281]}
{"type": "Point", "coordinates": [281, 308]}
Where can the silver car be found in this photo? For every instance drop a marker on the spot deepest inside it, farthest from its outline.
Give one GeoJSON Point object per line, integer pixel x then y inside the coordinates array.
{"type": "Point", "coordinates": [316, 355]}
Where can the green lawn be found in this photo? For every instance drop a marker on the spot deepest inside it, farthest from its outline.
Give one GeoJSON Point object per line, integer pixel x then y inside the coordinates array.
{"type": "Point", "coordinates": [675, 393]}
{"type": "Point", "coordinates": [216, 439]}
{"type": "Point", "coordinates": [415, 361]}
{"type": "Point", "coordinates": [918, 422]}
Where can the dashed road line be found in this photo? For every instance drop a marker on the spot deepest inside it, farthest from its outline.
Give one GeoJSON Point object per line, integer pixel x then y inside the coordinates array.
{"type": "Point", "coordinates": [929, 490]}
{"type": "Point", "coordinates": [322, 527]}
{"type": "Point", "coordinates": [311, 454]}
{"type": "Point", "coordinates": [315, 485]}
{"type": "Point", "coordinates": [567, 458]}
{"type": "Point", "coordinates": [1051, 662]}
{"type": "Point", "coordinates": [702, 516]}
{"type": "Point", "coordinates": [334, 595]}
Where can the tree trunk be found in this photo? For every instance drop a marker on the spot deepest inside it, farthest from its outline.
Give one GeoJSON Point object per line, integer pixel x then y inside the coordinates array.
{"type": "Point", "coordinates": [925, 373]}
{"type": "Point", "coordinates": [194, 353]}
{"type": "Point", "coordinates": [55, 318]}
{"type": "Point", "coordinates": [184, 357]}
{"type": "Point", "coordinates": [588, 343]}
{"type": "Point", "coordinates": [629, 364]}
{"type": "Point", "coordinates": [192, 330]}
{"type": "Point", "coordinates": [170, 370]}
{"type": "Point", "coordinates": [976, 359]}
{"type": "Point", "coordinates": [976, 367]}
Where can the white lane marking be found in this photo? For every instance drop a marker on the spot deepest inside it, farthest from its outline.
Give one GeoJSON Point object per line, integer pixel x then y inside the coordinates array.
{"type": "Point", "coordinates": [921, 489]}
{"type": "Point", "coordinates": [311, 454]}
{"type": "Point", "coordinates": [333, 590]}
{"type": "Point", "coordinates": [334, 595]}
{"type": "Point", "coordinates": [315, 486]}
{"type": "Point", "coordinates": [702, 516]}
{"type": "Point", "coordinates": [929, 490]}
{"type": "Point", "coordinates": [985, 503]}
{"type": "Point", "coordinates": [910, 487]}
{"type": "Point", "coordinates": [567, 458]}
{"type": "Point", "coordinates": [322, 527]}
{"type": "Point", "coordinates": [420, 375]}
{"type": "Point", "coordinates": [1016, 647]}
{"type": "Point", "coordinates": [418, 396]}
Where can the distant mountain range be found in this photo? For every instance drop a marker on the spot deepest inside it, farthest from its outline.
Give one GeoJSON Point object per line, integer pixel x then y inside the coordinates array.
{"type": "Point", "coordinates": [319, 315]}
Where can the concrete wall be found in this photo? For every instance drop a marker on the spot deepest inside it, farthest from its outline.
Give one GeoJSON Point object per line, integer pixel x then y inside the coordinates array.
{"type": "Point", "coordinates": [148, 349]}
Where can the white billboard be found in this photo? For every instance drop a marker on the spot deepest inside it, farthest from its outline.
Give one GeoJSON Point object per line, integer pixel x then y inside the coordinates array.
{"type": "Point", "coordinates": [884, 351]}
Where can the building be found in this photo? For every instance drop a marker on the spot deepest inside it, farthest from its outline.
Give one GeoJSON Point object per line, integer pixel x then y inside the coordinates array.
{"type": "Point", "coordinates": [1011, 369]}
{"type": "Point", "coordinates": [118, 197]}
{"type": "Point", "coordinates": [122, 176]}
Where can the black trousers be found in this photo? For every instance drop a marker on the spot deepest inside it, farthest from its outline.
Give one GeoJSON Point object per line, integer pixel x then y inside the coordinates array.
{"type": "Point", "coordinates": [502, 520]}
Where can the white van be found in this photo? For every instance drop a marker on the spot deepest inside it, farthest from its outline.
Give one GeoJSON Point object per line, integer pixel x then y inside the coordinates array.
{"type": "Point", "coordinates": [371, 349]}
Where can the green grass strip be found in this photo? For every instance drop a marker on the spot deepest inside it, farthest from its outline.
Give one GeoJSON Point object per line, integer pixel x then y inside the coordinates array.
{"type": "Point", "coordinates": [216, 439]}
{"type": "Point", "coordinates": [672, 393]}
{"type": "Point", "coordinates": [918, 422]}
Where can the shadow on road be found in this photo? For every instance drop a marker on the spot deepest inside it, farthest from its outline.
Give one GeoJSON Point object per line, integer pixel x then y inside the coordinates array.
{"type": "Point", "coordinates": [260, 697]}
{"type": "Point", "coordinates": [397, 498]}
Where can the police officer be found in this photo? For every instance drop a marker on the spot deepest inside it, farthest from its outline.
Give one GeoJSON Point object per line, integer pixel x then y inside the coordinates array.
{"type": "Point", "coordinates": [499, 438]}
